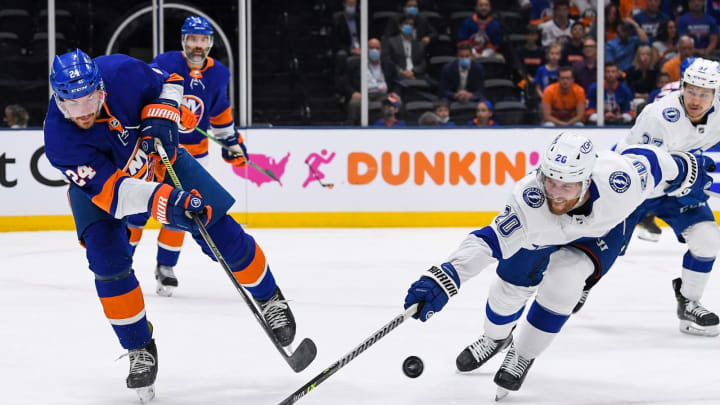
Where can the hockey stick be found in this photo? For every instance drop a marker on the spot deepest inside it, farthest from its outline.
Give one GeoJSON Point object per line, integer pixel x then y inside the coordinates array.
{"type": "Point", "coordinates": [306, 351]}
{"type": "Point", "coordinates": [317, 177]}
{"type": "Point", "coordinates": [325, 374]}
{"type": "Point", "coordinates": [266, 172]}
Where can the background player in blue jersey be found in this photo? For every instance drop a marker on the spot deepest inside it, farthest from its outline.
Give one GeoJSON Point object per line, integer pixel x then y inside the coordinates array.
{"type": "Point", "coordinates": [100, 130]}
{"type": "Point", "coordinates": [205, 95]}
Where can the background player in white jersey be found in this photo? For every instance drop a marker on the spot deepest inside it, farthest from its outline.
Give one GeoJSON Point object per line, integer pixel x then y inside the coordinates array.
{"type": "Point", "coordinates": [682, 121]}
{"type": "Point", "coordinates": [205, 97]}
{"type": "Point", "coordinates": [555, 231]}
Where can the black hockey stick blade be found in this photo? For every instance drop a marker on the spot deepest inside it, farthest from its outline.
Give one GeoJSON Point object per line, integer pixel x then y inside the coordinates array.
{"type": "Point", "coordinates": [303, 355]}
{"type": "Point", "coordinates": [374, 338]}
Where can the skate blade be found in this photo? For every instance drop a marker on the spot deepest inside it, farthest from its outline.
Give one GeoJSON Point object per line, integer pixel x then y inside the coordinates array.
{"type": "Point", "coordinates": [164, 290]}
{"type": "Point", "coordinates": [644, 234]}
{"type": "Point", "coordinates": [501, 393]}
{"type": "Point", "coordinates": [146, 394]}
{"type": "Point", "coordinates": [694, 329]}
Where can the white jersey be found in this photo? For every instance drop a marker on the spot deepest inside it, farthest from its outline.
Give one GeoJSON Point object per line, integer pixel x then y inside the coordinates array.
{"type": "Point", "coordinates": [668, 88]}
{"type": "Point", "coordinates": [620, 183]}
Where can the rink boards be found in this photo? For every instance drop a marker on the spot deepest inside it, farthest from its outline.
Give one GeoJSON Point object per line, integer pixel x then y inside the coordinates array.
{"type": "Point", "coordinates": [372, 177]}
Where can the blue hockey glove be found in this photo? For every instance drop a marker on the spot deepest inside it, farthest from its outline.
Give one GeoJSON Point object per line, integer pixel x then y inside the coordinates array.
{"type": "Point", "coordinates": [237, 154]}
{"type": "Point", "coordinates": [172, 206]}
{"type": "Point", "coordinates": [160, 120]}
{"type": "Point", "coordinates": [433, 290]}
{"type": "Point", "coordinates": [693, 178]}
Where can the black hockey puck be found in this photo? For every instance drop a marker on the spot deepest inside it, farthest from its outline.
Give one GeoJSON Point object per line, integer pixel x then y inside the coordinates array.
{"type": "Point", "coordinates": [413, 367]}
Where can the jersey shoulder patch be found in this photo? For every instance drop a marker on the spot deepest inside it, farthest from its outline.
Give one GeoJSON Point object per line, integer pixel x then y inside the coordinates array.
{"type": "Point", "coordinates": [671, 114]}
{"type": "Point", "coordinates": [534, 197]}
{"type": "Point", "coordinates": [619, 181]}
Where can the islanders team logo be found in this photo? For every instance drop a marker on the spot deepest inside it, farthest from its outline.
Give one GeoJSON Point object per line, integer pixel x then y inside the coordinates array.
{"type": "Point", "coordinates": [671, 114]}
{"type": "Point", "coordinates": [533, 197]}
{"type": "Point", "coordinates": [619, 181]}
{"type": "Point", "coordinates": [196, 105]}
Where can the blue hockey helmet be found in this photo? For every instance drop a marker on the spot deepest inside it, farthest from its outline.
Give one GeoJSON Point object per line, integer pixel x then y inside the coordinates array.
{"type": "Point", "coordinates": [74, 75]}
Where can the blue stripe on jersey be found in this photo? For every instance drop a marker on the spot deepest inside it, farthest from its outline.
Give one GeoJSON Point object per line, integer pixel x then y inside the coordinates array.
{"type": "Point", "coordinates": [488, 235]}
{"type": "Point", "coordinates": [498, 319]}
{"type": "Point", "coordinates": [544, 319]}
{"type": "Point", "coordinates": [699, 264]}
{"type": "Point", "coordinates": [655, 168]}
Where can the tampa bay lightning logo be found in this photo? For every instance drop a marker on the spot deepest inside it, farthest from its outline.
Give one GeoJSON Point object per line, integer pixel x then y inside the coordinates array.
{"type": "Point", "coordinates": [586, 147]}
{"type": "Point", "coordinates": [619, 181]}
{"type": "Point", "coordinates": [534, 197]}
{"type": "Point", "coordinates": [671, 114]}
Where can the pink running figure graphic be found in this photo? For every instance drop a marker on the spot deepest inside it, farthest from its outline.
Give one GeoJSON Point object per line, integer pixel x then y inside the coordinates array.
{"type": "Point", "coordinates": [314, 161]}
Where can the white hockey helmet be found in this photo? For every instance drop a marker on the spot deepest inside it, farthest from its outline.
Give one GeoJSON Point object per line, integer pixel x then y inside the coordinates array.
{"type": "Point", "coordinates": [703, 73]}
{"type": "Point", "coordinates": [570, 158]}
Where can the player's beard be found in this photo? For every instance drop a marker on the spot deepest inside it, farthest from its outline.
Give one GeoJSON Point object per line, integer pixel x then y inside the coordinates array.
{"type": "Point", "coordinates": [562, 207]}
{"type": "Point", "coordinates": [196, 54]}
{"type": "Point", "coordinates": [86, 121]}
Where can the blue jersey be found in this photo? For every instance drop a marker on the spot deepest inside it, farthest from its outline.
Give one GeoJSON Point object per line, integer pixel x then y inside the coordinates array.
{"type": "Point", "coordinates": [699, 28]}
{"type": "Point", "coordinates": [105, 161]}
{"type": "Point", "coordinates": [205, 95]}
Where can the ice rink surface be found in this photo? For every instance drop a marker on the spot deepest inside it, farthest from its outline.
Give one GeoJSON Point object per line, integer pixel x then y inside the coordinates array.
{"type": "Point", "coordinates": [56, 347]}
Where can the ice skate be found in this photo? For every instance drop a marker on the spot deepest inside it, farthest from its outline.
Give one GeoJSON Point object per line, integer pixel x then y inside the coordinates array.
{"type": "Point", "coordinates": [694, 318]}
{"type": "Point", "coordinates": [166, 280]}
{"type": "Point", "coordinates": [648, 229]}
{"type": "Point", "coordinates": [512, 373]}
{"type": "Point", "coordinates": [278, 316]}
{"type": "Point", "coordinates": [143, 370]}
{"type": "Point", "coordinates": [581, 301]}
{"type": "Point", "coordinates": [480, 352]}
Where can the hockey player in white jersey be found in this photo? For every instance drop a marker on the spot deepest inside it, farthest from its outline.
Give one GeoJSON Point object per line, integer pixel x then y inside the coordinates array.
{"type": "Point", "coordinates": [682, 121]}
{"type": "Point", "coordinates": [551, 236]}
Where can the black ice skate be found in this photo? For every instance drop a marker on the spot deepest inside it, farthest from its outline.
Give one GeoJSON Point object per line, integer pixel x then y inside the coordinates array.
{"type": "Point", "coordinates": [166, 280]}
{"type": "Point", "coordinates": [480, 352]}
{"type": "Point", "coordinates": [648, 229]}
{"type": "Point", "coordinates": [512, 373]}
{"type": "Point", "coordinates": [581, 301]}
{"type": "Point", "coordinates": [143, 370]}
{"type": "Point", "coordinates": [278, 316]}
{"type": "Point", "coordinates": [694, 318]}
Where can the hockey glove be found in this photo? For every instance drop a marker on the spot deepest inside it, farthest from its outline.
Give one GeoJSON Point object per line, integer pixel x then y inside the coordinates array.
{"type": "Point", "coordinates": [433, 290]}
{"type": "Point", "coordinates": [693, 178]}
{"type": "Point", "coordinates": [160, 120]}
{"type": "Point", "coordinates": [188, 119]}
{"type": "Point", "coordinates": [237, 151]}
{"type": "Point", "coordinates": [174, 207]}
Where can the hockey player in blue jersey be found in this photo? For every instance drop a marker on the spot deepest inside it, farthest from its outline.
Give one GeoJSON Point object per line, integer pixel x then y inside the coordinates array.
{"type": "Point", "coordinates": [205, 88]}
{"type": "Point", "coordinates": [563, 223]}
{"type": "Point", "coordinates": [99, 132]}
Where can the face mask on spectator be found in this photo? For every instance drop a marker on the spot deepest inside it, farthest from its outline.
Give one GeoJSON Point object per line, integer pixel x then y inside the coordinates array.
{"type": "Point", "coordinates": [387, 111]}
{"type": "Point", "coordinates": [464, 63]}
{"type": "Point", "coordinates": [482, 14]}
{"type": "Point", "coordinates": [412, 10]}
{"type": "Point", "coordinates": [374, 55]}
{"type": "Point", "coordinates": [444, 120]}
{"type": "Point", "coordinates": [407, 29]}
{"type": "Point", "coordinates": [350, 10]}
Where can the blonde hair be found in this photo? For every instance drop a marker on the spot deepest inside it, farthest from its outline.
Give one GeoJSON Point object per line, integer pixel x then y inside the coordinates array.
{"type": "Point", "coordinates": [636, 59]}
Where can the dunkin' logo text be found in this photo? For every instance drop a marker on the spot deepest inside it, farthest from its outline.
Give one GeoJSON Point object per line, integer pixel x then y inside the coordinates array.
{"type": "Point", "coordinates": [441, 168]}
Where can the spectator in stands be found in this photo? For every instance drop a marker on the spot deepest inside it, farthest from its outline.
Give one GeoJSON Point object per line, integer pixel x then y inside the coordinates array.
{"type": "Point", "coordinates": [16, 116]}
{"type": "Point", "coordinates": [441, 108]}
{"type": "Point", "coordinates": [700, 26]}
{"type": "Point", "coordinates": [563, 103]}
{"type": "Point", "coordinates": [650, 19]}
{"type": "Point", "coordinates": [617, 99]}
{"type": "Point", "coordinates": [405, 52]}
{"type": "Point", "coordinates": [382, 80]}
{"type": "Point", "coordinates": [686, 49]}
{"type": "Point", "coordinates": [629, 7]}
{"type": "Point", "coordinates": [573, 49]}
{"type": "Point", "coordinates": [557, 29]}
{"type": "Point", "coordinates": [662, 79]}
{"type": "Point", "coordinates": [530, 55]}
{"type": "Point", "coordinates": [621, 50]}
{"type": "Point", "coordinates": [665, 45]}
{"type": "Point", "coordinates": [390, 108]}
{"type": "Point", "coordinates": [642, 75]}
{"type": "Point", "coordinates": [346, 27]}
{"type": "Point", "coordinates": [462, 79]}
{"type": "Point", "coordinates": [612, 20]}
{"type": "Point", "coordinates": [428, 119]}
{"type": "Point", "coordinates": [585, 71]}
{"type": "Point", "coordinates": [424, 31]}
{"type": "Point", "coordinates": [482, 30]}
{"type": "Point", "coordinates": [483, 115]}
{"type": "Point", "coordinates": [548, 72]}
